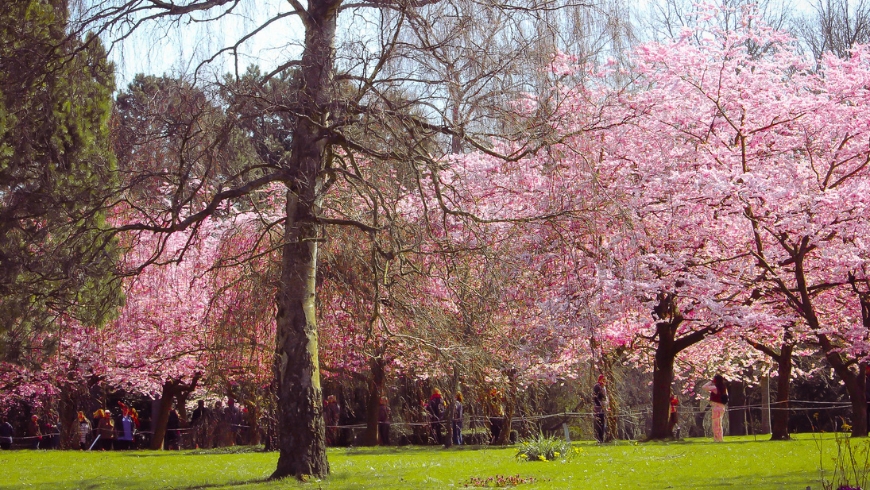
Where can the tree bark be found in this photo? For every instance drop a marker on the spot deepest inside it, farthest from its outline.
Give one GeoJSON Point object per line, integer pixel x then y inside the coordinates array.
{"type": "Point", "coordinates": [779, 418]}
{"type": "Point", "coordinates": [854, 383]}
{"type": "Point", "coordinates": [667, 347]}
{"type": "Point", "coordinates": [158, 423]}
{"type": "Point", "coordinates": [301, 430]}
{"type": "Point", "coordinates": [171, 389]}
{"type": "Point", "coordinates": [663, 378]}
{"type": "Point", "coordinates": [373, 402]}
{"type": "Point", "coordinates": [510, 403]}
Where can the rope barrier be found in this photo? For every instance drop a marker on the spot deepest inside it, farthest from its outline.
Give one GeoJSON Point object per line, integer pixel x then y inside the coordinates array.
{"type": "Point", "coordinates": [481, 419]}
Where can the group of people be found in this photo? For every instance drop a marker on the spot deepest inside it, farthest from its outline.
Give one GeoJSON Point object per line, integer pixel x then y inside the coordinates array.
{"type": "Point", "coordinates": [218, 426]}
{"type": "Point", "coordinates": [107, 432]}
{"type": "Point", "coordinates": [436, 409]}
{"type": "Point", "coordinates": [718, 400]}
{"type": "Point", "coordinates": [119, 429]}
{"type": "Point", "coordinates": [43, 434]}
{"type": "Point", "coordinates": [221, 426]}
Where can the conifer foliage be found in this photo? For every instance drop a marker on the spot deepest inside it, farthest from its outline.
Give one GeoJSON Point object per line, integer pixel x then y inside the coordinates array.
{"type": "Point", "coordinates": [56, 170]}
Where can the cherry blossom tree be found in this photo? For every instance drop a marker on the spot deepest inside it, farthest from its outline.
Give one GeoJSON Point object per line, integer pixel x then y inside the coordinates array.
{"type": "Point", "coordinates": [759, 166]}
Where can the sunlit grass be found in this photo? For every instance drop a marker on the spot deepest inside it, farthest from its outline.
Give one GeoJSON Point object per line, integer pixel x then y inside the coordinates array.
{"type": "Point", "coordinates": [740, 462]}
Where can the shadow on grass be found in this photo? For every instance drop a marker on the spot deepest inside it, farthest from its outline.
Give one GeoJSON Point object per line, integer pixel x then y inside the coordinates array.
{"type": "Point", "coordinates": [393, 450]}
{"type": "Point", "coordinates": [227, 484]}
{"type": "Point", "coordinates": [93, 484]}
{"type": "Point", "coordinates": [197, 452]}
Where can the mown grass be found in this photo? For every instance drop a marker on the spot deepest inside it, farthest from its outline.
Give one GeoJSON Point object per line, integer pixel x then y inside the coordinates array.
{"type": "Point", "coordinates": [740, 462]}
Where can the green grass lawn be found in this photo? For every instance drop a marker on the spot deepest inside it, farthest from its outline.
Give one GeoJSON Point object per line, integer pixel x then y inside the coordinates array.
{"type": "Point", "coordinates": [740, 462]}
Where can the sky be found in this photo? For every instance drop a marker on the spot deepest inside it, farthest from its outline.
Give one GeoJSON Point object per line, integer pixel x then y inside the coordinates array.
{"type": "Point", "coordinates": [178, 48]}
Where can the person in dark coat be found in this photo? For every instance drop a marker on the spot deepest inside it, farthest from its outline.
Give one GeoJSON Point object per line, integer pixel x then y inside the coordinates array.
{"type": "Point", "coordinates": [170, 441]}
{"type": "Point", "coordinates": [599, 408]}
{"type": "Point", "coordinates": [435, 407]}
{"type": "Point", "coordinates": [331, 416]}
{"type": "Point", "coordinates": [199, 423]}
{"type": "Point", "coordinates": [6, 434]}
{"type": "Point", "coordinates": [233, 417]}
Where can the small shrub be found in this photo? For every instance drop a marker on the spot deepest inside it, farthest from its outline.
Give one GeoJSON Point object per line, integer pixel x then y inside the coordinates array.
{"type": "Point", "coordinates": [544, 448]}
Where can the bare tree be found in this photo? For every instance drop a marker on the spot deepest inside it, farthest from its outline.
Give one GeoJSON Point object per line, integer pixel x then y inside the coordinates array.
{"type": "Point", "coordinates": [834, 26]}
{"type": "Point", "coordinates": [359, 87]}
{"type": "Point", "coordinates": [667, 18]}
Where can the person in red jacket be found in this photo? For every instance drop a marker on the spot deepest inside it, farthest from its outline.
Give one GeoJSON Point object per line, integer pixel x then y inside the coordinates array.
{"type": "Point", "coordinates": [673, 417]}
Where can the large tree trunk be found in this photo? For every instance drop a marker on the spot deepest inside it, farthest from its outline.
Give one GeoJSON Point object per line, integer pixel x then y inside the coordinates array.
{"type": "Point", "coordinates": [504, 437]}
{"type": "Point", "coordinates": [301, 431]}
{"type": "Point", "coordinates": [667, 348]}
{"type": "Point", "coordinates": [854, 383]}
{"type": "Point", "coordinates": [373, 402]}
{"type": "Point", "coordinates": [171, 389]}
{"type": "Point", "coordinates": [253, 422]}
{"type": "Point", "coordinates": [663, 377]}
{"type": "Point", "coordinates": [161, 418]}
{"type": "Point", "coordinates": [783, 358]}
{"type": "Point", "coordinates": [779, 418]}
{"type": "Point", "coordinates": [510, 404]}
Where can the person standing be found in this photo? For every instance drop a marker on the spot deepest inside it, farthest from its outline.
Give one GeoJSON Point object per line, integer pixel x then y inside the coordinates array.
{"type": "Point", "coordinates": [384, 419]}
{"type": "Point", "coordinates": [51, 431]}
{"type": "Point", "coordinates": [126, 430]}
{"type": "Point", "coordinates": [234, 422]}
{"type": "Point", "coordinates": [106, 430]}
{"type": "Point", "coordinates": [84, 427]}
{"type": "Point", "coordinates": [217, 424]}
{"type": "Point", "coordinates": [331, 415]}
{"type": "Point", "coordinates": [599, 408]}
{"type": "Point", "coordinates": [673, 417]}
{"type": "Point", "coordinates": [6, 433]}
{"type": "Point", "coordinates": [34, 432]}
{"type": "Point", "coordinates": [457, 420]}
{"type": "Point", "coordinates": [199, 424]}
{"type": "Point", "coordinates": [718, 400]}
{"type": "Point", "coordinates": [436, 415]}
{"type": "Point", "coordinates": [495, 414]}
{"type": "Point", "coordinates": [171, 439]}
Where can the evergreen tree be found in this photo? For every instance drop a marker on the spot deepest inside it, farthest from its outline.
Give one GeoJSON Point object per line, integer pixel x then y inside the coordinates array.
{"type": "Point", "coordinates": [56, 177]}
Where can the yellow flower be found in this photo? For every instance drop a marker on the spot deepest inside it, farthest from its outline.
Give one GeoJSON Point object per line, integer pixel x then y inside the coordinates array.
{"type": "Point", "coordinates": [542, 458]}
{"type": "Point", "coordinates": [556, 454]}
{"type": "Point", "coordinates": [524, 456]}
